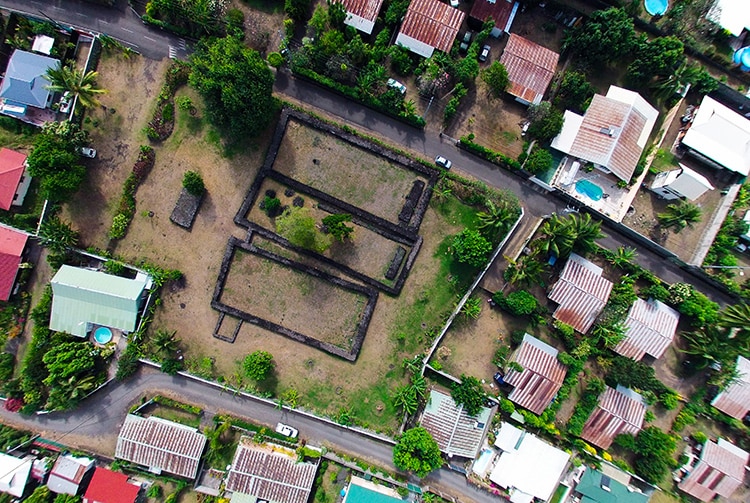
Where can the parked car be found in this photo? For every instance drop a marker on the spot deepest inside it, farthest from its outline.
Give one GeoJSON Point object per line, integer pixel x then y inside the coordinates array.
{"type": "Point", "coordinates": [443, 162]}
{"type": "Point", "coordinates": [484, 54]}
{"type": "Point", "coordinates": [64, 106]}
{"type": "Point", "coordinates": [454, 4]}
{"type": "Point", "coordinates": [395, 84]}
{"type": "Point", "coordinates": [287, 430]}
{"type": "Point", "coordinates": [88, 152]}
{"type": "Point", "coordinates": [466, 41]}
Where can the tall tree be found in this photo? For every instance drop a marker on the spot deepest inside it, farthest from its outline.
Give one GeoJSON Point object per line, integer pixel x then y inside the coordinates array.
{"type": "Point", "coordinates": [737, 318]}
{"type": "Point", "coordinates": [495, 221]}
{"type": "Point", "coordinates": [57, 235]}
{"type": "Point", "coordinates": [469, 393]}
{"type": "Point", "coordinates": [416, 451]}
{"type": "Point", "coordinates": [607, 36]}
{"type": "Point", "coordinates": [574, 92]}
{"type": "Point", "coordinates": [546, 121]}
{"type": "Point", "coordinates": [586, 230]}
{"type": "Point", "coordinates": [679, 216]}
{"type": "Point", "coordinates": [658, 57]}
{"type": "Point", "coordinates": [557, 237]}
{"type": "Point", "coordinates": [496, 78]}
{"type": "Point", "coordinates": [71, 79]}
{"type": "Point", "coordinates": [258, 365]}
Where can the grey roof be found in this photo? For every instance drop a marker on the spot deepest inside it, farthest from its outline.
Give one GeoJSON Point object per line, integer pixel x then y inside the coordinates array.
{"type": "Point", "coordinates": [67, 474]}
{"type": "Point", "coordinates": [25, 80]}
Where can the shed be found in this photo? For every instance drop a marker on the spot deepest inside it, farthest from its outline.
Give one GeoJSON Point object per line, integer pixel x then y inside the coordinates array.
{"type": "Point", "coordinates": [14, 474]}
{"type": "Point", "coordinates": [649, 329]}
{"type": "Point", "coordinates": [530, 68]}
{"type": "Point", "coordinates": [537, 384]}
{"type": "Point", "coordinates": [68, 473]}
{"type": "Point", "coordinates": [362, 14]}
{"type": "Point", "coordinates": [43, 44]}
{"type": "Point", "coordinates": [680, 182]}
{"type": "Point", "coordinates": [107, 486]}
{"type": "Point", "coordinates": [429, 25]}
{"type": "Point", "coordinates": [12, 246]}
{"type": "Point", "coordinates": [455, 431]}
{"type": "Point", "coordinates": [734, 401]}
{"type": "Point", "coordinates": [719, 472]}
{"type": "Point", "coordinates": [501, 11]}
{"type": "Point", "coordinates": [618, 411]}
{"type": "Point", "coordinates": [25, 81]}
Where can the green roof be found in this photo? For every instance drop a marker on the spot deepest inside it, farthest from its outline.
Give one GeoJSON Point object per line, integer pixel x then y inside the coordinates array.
{"type": "Point", "coordinates": [591, 489]}
{"type": "Point", "coordinates": [82, 296]}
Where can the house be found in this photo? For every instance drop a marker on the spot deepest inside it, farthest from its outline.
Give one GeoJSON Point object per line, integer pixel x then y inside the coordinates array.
{"type": "Point", "coordinates": [25, 84]}
{"type": "Point", "coordinates": [679, 183]}
{"type": "Point", "coordinates": [429, 25]}
{"type": "Point", "coordinates": [649, 329]}
{"type": "Point", "coordinates": [501, 11]}
{"type": "Point", "coordinates": [580, 293]}
{"type": "Point", "coordinates": [14, 474]}
{"type": "Point", "coordinates": [269, 473]}
{"type": "Point", "coordinates": [362, 14]}
{"type": "Point", "coordinates": [457, 433]}
{"type": "Point", "coordinates": [161, 445]}
{"type": "Point", "coordinates": [12, 246]}
{"type": "Point", "coordinates": [719, 137]}
{"type": "Point", "coordinates": [734, 401]}
{"type": "Point", "coordinates": [14, 181]}
{"type": "Point", "coordinates": [82, 297]}
{"type": "Point", "coordinates": [530, 68]}
{"type": "Point", "coordinates": [719, 471]}
{"type": "Point", "coordinates": [107, 486]}
{"type": "Point", "coordinates": [732, 15]}
{"type": "Point", "coordinates": [537, 384]}
{"type": "Point", "coordinates": [598, 487]}
{"type": "Point", "coordinates": [364, 491]}
{"type": "Point", "coordinates": [528, 467]}
{"type": "Point", "coordinates": [68, 473]}
{"type": "Point", "coordinates": [618, 411]}
{"type": "Point", "coordinates": [611, 134]}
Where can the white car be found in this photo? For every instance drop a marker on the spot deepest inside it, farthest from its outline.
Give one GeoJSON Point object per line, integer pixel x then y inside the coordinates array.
{"type": "Point", "coordinates": [443, 162]}
{"type": "Point", "coordinates": [395, 84]}
{"type": "Point", "coordinates": [88, 152]}
{"type": "Point", "coordinates": [454, 4]}
{"type": "Point", "coordinates": [287, 430]}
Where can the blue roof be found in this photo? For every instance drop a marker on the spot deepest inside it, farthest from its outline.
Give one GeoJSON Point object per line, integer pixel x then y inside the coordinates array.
{"type": "Point", "coordinates": [25, 80]}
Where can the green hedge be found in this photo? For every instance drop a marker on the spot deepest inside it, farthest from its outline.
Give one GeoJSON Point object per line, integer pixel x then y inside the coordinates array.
{"type": "Point", "coordinates": [585, 406]}
{"type": "Point", "coordinates": [502, 160]}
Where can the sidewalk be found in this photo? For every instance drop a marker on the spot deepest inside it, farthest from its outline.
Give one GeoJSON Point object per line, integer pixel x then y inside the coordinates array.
{"type": "Point", "coordinates": [493, 280]}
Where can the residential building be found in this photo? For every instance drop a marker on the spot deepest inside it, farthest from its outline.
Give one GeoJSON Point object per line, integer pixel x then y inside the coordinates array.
{"type": "Point", "coordinates": [362, 14]}
{"type": "Point", "coordinates": [455, 431]}
{"type": "Point", "coordinates": [160, 445]}
{"type": "Point", "coordinates": [25, 83]}
{"type": "Point", "coordinates": [14, 474]}
{"type": "Point", "coordinates": [68, 474]}
{"type": "Point", "coordinates": [597, 487]}
{"type": "Point", "coordinates": [649, 329]}
{"type": "Point", "coordinates": [14, 181]}
{"type": "Point", "coordinates": [82, 298]}
{"type": "Point", "coordinates": [269, 473]}
{"type": "Point", "coordinates": [537, 384]}
{"type": "Point", "coordinates": [107, 486]}
{"type": "Point", "coordinates": [429, 25]}
{"type": "Point", "coordinates": [528, 467]}
{"type": "Point", "coordinates": [731, 15]}
{"type": "Point", "coordinates": [502, 12]}
{"type": "Point", "coordinates": [720, 137]}
{"type": "Point", "coordinates": [364, 491]}
{"type": "Point", "coordinates": [618, 411]}
{"type": "Point", "coordinates": [580, 293]}
{"type": "Point", "coordinates": [530, 68]}
{"type": "Point", "coordinates": [734, 401]}
{"type": "Point", "coordinates": [12, 247]}
{"type": "Point", "coordinates": [682, 182]}
{"type": "Point", "coordinates": [720, 471]}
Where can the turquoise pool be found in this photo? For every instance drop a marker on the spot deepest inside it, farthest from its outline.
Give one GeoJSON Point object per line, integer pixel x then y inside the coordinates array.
{"type": "Point", "coordinates": [102, 335]}
{"type": "Point", "coordinates": [656, 7]}
{"type": "Point", "coordinates": [589, 189]}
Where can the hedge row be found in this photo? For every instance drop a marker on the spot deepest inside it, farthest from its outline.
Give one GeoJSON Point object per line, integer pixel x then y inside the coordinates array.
{"type": "Point", "coordinates": [126, 207]}
{"type": "Point", "coordinates": [502, 160]}
{"type": "Point", "coordinates": [161, 125]}
{"type": "Point", "coordinates": [585, 406]}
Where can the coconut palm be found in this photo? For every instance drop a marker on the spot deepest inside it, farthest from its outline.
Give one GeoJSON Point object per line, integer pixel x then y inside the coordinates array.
{"type": "Point", "coordinates": [679, 216]}
{"type": "Point", "coordinates": [586, 231]}
{"type": "Point", "coordinates": [622, 256]}
{"type": "Point", "coordinates": [737, 318]}
{"type": "Point", "coordinates": [164, 342]}
{"type": "Point", "coordinates": [708, 345]}
{"type": "Point", "coordinates": [70, 79]}
{"type": "Point", "coordinates": [557, 237]}
{"type": "Point", "coordinates": [524, 272]}
{"type": "Point", "coordinates": [57, 235]}
{"type": "Point", "coordinates": [666, 86]}
{"type": "Point", "coordinates": [494, 222]}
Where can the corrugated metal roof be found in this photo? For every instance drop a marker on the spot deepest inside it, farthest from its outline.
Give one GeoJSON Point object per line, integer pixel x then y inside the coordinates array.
{"type": "Point", "coordinates": [650, 328]}
{"type": "Point", "coordinates": [12, 244]}
{"type": "Point", "coordinates": [720, 471]}
{"type": "Point", "coordinates": [67, 473]}
{"type": "Point", "coordinates": [25, 81]}
{"type": "Point", "coordinates": [530, 68]}
{"type": "Point", "coordinates": [160, 445]}
{"type": "Point", "coordinates": [735, 400]}
{"type": "Point", "coordinates": [110, 487]}
{"type": "Point", "coordinates": [270, 475]}
{"type": "Point", "coordinates": [362, 14]}
{"type": "Point", "coordinates": [453, 429]}
{"type": "Point", "coordinates": [541, 378]}
{"type": "Point", "coordinates": [431, 23]}
{"type": "Point", "coordinates": [619, 411]}
{"type": "Point", "coordinates": [12, 166]}
{"type": "Point", "coordinates": [499, 10]}
{"type": "Point", "coordinates": [83, 296]}
{"type": "Point", "coordinates": [581, 293]}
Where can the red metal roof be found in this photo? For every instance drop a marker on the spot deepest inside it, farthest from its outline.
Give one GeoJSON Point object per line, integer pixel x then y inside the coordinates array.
{"type": "Point", "coordinates": [456, 433]}
{"type": "Point", "coordinates": [650, 328]}
{"type": "Point", "coordinates": [160, 445]}
{"type": "Point", "coordinates": [499, 10]}
{"type": "Point", "coordinates": [581, 293]}
{"type": "Point", "coordinates": [619, 411]}
{"type": "Point", "coordinates": [11, 170]}
{"type": "Point", "coordinates": [366, 9]}
{"type": "Point", "coordinates": [735, 400]}
{"type": "Point", "coordinates": [530, 68]}
{"type": "Point", "coordinates": [12, 244]}
{"type": "Point", "coordinates": [541, 378]}
{"type": "Point", "coordinates": [432, 22]}
{"type": "Point", "coordinates": [720, 471]}
{"type": "Point", "coordinates": [107, 486]}
{"type": "Point", "coordinates": [270, 474]}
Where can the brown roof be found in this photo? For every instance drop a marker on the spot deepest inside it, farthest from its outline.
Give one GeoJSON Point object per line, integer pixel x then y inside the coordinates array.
{"type": "Point", "coordinates": [581, 293]}
{"type": "Point", "coordinates": [432, 22]}
{"type": "Point", "coordinates": [720, 471]}
{"type": "Point", "coordinates": [499, 10]}
{"type": "Point", "coordinates": [735, 400]}
{"type": "Point", "coordinates": [619, 411]}
{"type": "Point", "coordinates": [650, 328]}
{"type": "Point", "coordinates": [530, 68]}
{"type": "Point", "coordinates": [160, 445]}
{"type": "Point", "coordinates": [541, 378]}
{"type": "Point", "coordinates": [270, 474]}
{"type": "Point", "coordinates": [365, 9]}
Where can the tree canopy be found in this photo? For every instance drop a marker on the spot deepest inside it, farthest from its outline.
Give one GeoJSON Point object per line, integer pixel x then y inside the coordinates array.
{"type": "Point", "coordinates": [55, 161]}
{"type": "Point", "coordinates": [471, 248]}
{"type": "Point", "coordinates": [469, 393]}
{"type": "Point", "coordinates": [496, 78]}
{"type": "Point", "coordinates": [258, 365]}
{"type": "Point", "coordinates": [574, 92]}
{"type": "Point", "coordinates": [71, 79]}
{"type": "Point", "coordinates": [655, 58]}
{"type": "Point", "coordinates": [546, 121]}
{"type": "Point", "coordinates": [298, 226]}
{"type": "Point", "coordinates": [416, 451]}
{"type": "Point", "coordinates": [607, 36]}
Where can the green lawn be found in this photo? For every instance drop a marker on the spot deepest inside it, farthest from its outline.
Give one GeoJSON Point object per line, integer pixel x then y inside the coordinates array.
{"type": "Point", "coordinates": [663, 161]}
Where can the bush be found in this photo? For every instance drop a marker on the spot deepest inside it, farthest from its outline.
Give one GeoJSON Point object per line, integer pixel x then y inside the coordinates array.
{"type": "Point", "coordinates": [507, 406]}
{"type": "Point", "coordinates": [519, 303]}
{"type": "Point", "coordinates": [516, 336]}
{"type": "Point", "coordinates": [193, 183]}
{"type": "Point", "coordinates": [184, 103]}
{"type": "Point", "coordinates": [119, 226]}
{"type": "Point", "coordinates": [539, 161]}
{"type": "Point", "coordinates": [670, 400]}
{"type": "Point", "coordinates": [585, 406]}
{"type": "Point", "coordinates": [275, 59]}
{"type": "Point", "coordinates": [471, 248]}
{"type": "Point", "coordinates": [7, 362]}
{"type": "Point", "coordinates": [699, 437]}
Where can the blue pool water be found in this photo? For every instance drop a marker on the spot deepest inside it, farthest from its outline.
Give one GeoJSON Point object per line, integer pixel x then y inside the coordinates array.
{"type": "Point", "coordinates": [589, 189]}
{"type": "Point", "coordinates": [656, 7]}
{"type": "Point", "coordinates": [102, 335]}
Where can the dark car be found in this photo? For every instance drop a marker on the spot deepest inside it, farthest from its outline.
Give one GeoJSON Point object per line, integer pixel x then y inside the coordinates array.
{"type": "Point", "coordinates": [484, 54]}
{"type": "Point", "coordinates": [465, 42]}
{"type": "Point", "coordinates": [499, 378]}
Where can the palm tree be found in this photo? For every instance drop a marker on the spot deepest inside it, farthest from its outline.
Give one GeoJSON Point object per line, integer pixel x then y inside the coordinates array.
{"type": "Point", "coordinates": [557, 237]}
{"type": "Point", "coordinates": [165, 343]}
{"type": "Point", "coordinates": [665, 87]}
{"type": "Point", "coordinates": [622, 256]}
{"type": "Point", "coordinates": [610, 334]}
{"type": "Point", "coordinates": [710, 344]}
{"type": "Point", "coordinates": [406, 398]}
{"type": "Point", "coordinates": [737, 318]}
{"type": "Point", "coordinates": [679, 216]}
{"type": "Point", "coordinates": [57, 235]}
{"type": "Point", "coordinates": [70, 79]}
{"type": "Point", "coordinates": [495, 221]}
{"type": "Point", "coordinates": [587, 231]}
{"type": "Point", "coordinates": [524, 272]}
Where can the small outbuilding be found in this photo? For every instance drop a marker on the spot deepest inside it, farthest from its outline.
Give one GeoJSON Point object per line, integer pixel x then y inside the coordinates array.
{"type": "Point", "coordinates": [362, 14]}
{"type": "Point", "coordinates": [682, 182]}
{"type": "Point", "coordinates": [68, 474]}
{"type": "Point", "coordinates": [537, 384]}
{"type": "Point", "coordinates": [719, 472]}
{"type": "Point", "coordinates": [734, 401]}
{"type": "Point", "coordinates": [502, 12]}
{"type": "Point", "coordinates": [649, 329]}
{"type": "Point", "coordinates": [14, 474]}
{"type": "Point", "coordinates": [618, 411]}
{"type": "Point", "coordinates": [530, 69]}
{"type": "Point", "coordinates": [12, 247]}
{"type": "Point", "coordinates": [429, 25]}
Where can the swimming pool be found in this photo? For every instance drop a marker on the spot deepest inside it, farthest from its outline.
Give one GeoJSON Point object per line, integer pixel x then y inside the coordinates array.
{"type": "Point", "coordinates": [656, 7]}
{"type": "Point", "coordinates": [102, 335]}
{"type": "Point", "coordinates": [589, 189]}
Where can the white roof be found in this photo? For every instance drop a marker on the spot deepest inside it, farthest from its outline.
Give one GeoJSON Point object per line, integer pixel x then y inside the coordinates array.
{"type": "Point", "coordinates": [533, 468]}
{"type": "Point", "coordinates": [640, 105]}
{"type": "Point", "coordinates": [14, 473]}
{"type": "Point", "coordinates": [690, 183]}
{"type": "Point", "coordinates": [732, 15]}
{"type": "Point", "coordinates": [571, 124]}
{"type": "Point", "coordinates": [508, 437]}
{"type": "Point", "coordinates": [359, 23]}
{"type": "Point", "coordinates": [43, 44]}
{"type": "Point", "coordinates": [721, 135]}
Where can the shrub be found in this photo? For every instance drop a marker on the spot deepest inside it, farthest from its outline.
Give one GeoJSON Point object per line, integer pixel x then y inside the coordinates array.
{"type": "Point", "coordinates": [585, 406]}
{"type": "Point", "coordinates": [272, 206]}
{"type": "Point", "coordinates": [516, 336]}
{"type": "Point", "coordinates": [119, 226]}
{"type": "Point", "coordinates": [471, 248]}
{"type": "Point", "coordinates": [275, 59]}
{"type": "Point", "coordinates": [670, 400]}
{"type": "Point", "coordinates": [507, 406]}
{"type": "Point", "coordinates": [519, 303]}
{"type": "Point", "coordinates": [184, 103]}
{"type": "Point", "coordinates": [7, 362]}
{"type": "Point", "coordinates": [193, 183]}
{"type": "Point", "coordinates": [684, 418]}
{"type": "Point", "coordinates": [539, 161]}
{"type": "Point", "coordinates": [699, 437]}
